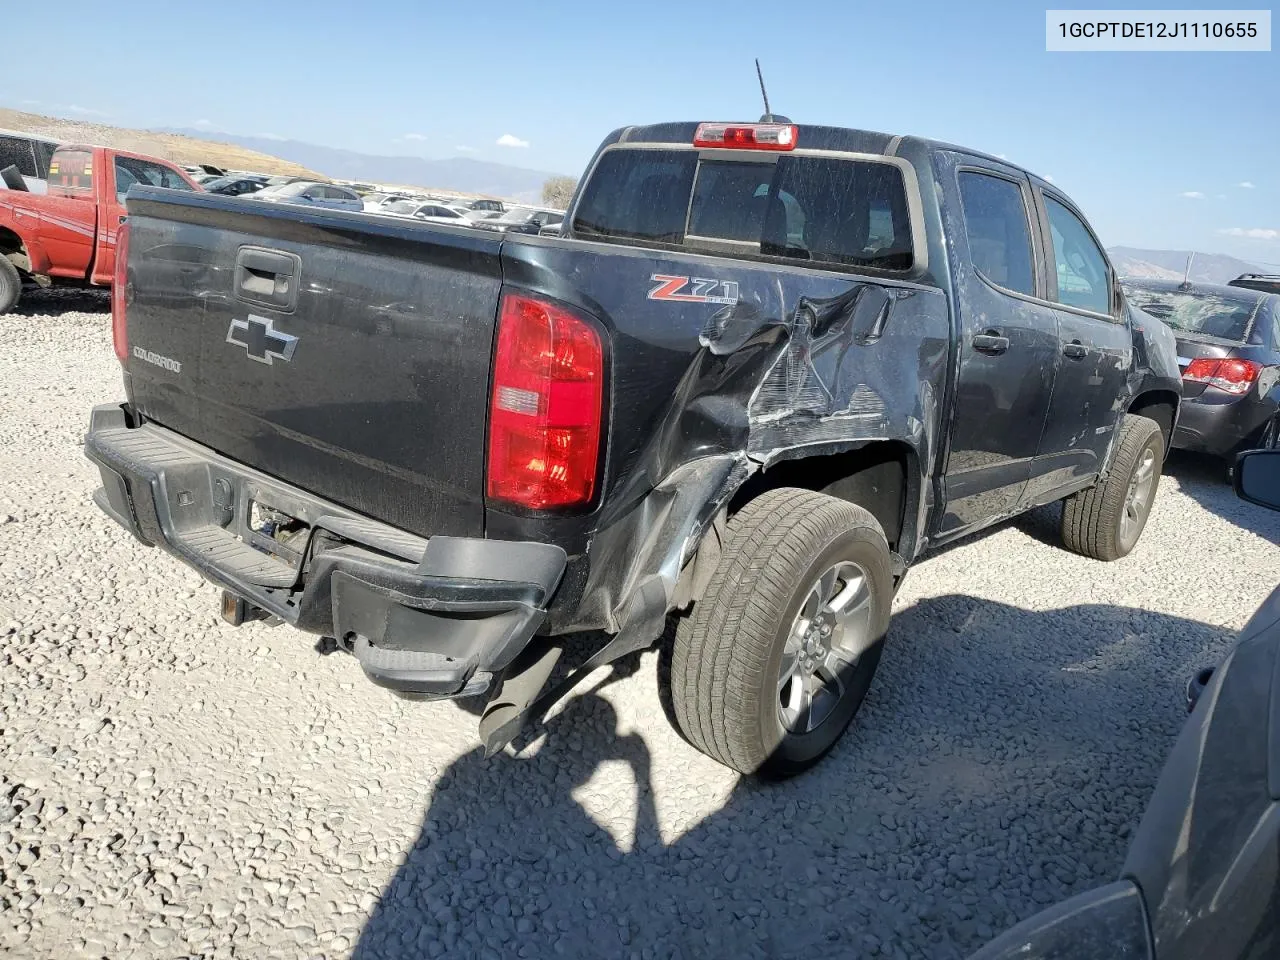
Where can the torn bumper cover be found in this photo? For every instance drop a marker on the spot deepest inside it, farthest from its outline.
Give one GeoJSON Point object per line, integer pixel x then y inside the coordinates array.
{"type": "Point", "coordinates": [436, 617]}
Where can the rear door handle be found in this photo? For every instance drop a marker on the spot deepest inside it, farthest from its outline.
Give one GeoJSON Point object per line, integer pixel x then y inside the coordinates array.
{"type": "Point", "coordinates": [1075, 350]}
{"type": "Point", "coordinates": [990, 343]}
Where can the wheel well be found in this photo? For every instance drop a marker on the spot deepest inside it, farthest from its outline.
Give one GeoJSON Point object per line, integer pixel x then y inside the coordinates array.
{"type": "Point", "coordinates": [1158, 405]}
{"type": "Point", "coordinates": [11, 246]}
{"type": "Point", "coordinates": [875, 477]}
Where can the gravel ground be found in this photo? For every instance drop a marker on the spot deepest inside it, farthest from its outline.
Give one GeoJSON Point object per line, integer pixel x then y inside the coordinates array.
{"type": "Point", "coordinates": [175, 787]}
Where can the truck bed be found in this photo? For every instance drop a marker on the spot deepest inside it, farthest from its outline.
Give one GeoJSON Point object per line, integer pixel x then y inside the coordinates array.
{"type": "Point", "coordinates": [380, 403]}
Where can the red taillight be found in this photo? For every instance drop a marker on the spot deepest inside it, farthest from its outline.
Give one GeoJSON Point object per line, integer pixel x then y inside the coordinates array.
{"type": "Point", "coordinates": [746, 136]}
{"type": "Point", "coordinates": [119, 294]}
{"type": "Point", "coordinates": [546, 408]}
{"type": "Point", "coordinates": [1231, 375]}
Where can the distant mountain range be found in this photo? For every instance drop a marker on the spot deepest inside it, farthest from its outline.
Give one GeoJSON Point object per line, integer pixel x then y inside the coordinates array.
{"type": "Point", "coordinates": [1171, 264]}
{"type": "Point", "coordinates": [460, 174]}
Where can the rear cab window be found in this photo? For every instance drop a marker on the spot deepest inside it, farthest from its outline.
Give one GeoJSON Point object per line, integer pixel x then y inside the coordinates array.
{"type": "Point", "coordinates": [1211, 315]}
{"type": "Point", "coordinates": [821, 210]}
{"type": "Point", "coordinates": [71, 173]}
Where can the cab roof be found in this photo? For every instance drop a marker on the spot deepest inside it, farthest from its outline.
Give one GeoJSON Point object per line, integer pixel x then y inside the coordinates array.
{"type": "Point", "coordinates": [814, 137]}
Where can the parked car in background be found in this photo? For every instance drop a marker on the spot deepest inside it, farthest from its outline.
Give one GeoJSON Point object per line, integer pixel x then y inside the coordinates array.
{"type": "Point", "coordinates": [30, 154]}
{"type": "Point", "coordinates": [480, 206]}
{"type": "Point", "coordinates": [433, 212]}
{"type": "Point", "coordinates": [233, 186]}
{"type": "Point", "coordinates": [1229, 353]}
{"type": "Point", "coordinates": [522, 220]}
{"type": "Point", "coordinates": [374, 202]}
{"type": "Point", "coordinates": [1200, 879]}
{"type": "Point", "coordinates": [68, 234]}
{"type": "Point", "coordinates": [1267, 283]}
{"type": "Point", "coordinates": [312, 194]}
{"type": "Point", "coordinates": [752, 410]}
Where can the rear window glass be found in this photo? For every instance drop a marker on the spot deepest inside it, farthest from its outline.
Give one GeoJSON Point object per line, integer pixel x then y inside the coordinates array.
{"type": "Point", "coordinates": [71, 170]}
{"type": "Point", "coordinates": [822, 209]}
{"type": "Point", "coordinates": [1203, 313]}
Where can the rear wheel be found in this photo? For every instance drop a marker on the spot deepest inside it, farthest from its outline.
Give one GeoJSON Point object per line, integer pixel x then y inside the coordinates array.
{"type": "Point", "coordinates": [1105, 521]}
{"type": "Point", "coordinates": [776, 658]}
{"type": "Point", "coordinates": [10, 285]}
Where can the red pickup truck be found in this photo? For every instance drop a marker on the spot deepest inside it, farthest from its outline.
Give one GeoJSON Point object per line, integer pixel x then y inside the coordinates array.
{"type": "Point", "coordinates": [68, 235]}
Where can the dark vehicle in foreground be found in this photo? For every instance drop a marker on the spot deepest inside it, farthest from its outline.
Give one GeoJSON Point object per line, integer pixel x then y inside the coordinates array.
{"type": "Point", "coordinates": [311, 194]}
{"type": "Point", "coordinates": [1202, 876]}
{"type": "Point", "coordinates": [1229, 353]}
{"type": "Point", "coordinates": [1267, 283]}
{"type": "Point", "coordinates": [765, 369]}
{"type": "Point", "coordinates": [233, 186]}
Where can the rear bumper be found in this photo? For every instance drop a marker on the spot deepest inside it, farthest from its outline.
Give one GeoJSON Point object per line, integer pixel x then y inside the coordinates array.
{"type": "Point", "coordinates": [1218, 423]}
{"type": "Point", "coordinates": [437, 617]}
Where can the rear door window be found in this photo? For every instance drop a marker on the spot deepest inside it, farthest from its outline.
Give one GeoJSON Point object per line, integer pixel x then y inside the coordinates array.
{"type": "Point", "coordinates": [827, 210]}
{"type": "Point", "coordinates": [998, 231]}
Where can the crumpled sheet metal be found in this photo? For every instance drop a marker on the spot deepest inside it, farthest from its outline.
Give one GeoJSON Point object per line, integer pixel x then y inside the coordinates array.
{"type": "Point", "coordinates": [825, 376]}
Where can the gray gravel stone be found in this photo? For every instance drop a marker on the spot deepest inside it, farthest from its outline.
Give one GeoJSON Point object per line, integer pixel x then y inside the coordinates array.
{"type": "Point", "coordinates": [161, 767]}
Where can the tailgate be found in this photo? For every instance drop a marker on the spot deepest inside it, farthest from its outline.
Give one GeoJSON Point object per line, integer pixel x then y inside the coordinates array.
{"type": "Point", "coordinates": [344, 354]}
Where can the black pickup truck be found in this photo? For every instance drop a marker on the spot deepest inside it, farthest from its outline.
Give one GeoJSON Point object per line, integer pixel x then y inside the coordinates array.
{"type": "Point", "coordinates": [763, 370]}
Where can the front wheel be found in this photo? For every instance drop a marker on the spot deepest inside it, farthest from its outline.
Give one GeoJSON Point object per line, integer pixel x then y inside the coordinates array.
{"type": "Point", "coordinates": [776, 658]}
{"type": "Point", "coordinates": [1105, 521]}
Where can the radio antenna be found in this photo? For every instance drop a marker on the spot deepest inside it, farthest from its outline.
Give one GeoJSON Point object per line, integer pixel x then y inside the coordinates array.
{"type": "Point", "coordinates": [1186, 274]}
{"type": "Point", "coordinates": [768, 115]}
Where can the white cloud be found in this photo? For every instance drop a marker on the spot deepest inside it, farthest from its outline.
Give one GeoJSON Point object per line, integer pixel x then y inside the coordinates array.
{"type": "Point", "coordinates": [1002, 156]}
{"type": "Point", "coordinates": [464, 149]}
{"type": "Point", "coordinates": [1049, 177]}
{"type": "Point", "coordinates": [1252, 233]}
{"type": "Point", "coordinates": [415, 136]}
{"type": "Point", "coordinates": [1192, 195]}
{"type": "Point", "coordinates": [202, 124]}
{"type": "Point", "coordinates": [1245, 184]}
{"type": "Point", "coordinates": [507, 140]}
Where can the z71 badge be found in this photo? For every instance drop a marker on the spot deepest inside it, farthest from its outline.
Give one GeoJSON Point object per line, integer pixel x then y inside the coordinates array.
{"type": "Point", "coordinates": [693, 289]}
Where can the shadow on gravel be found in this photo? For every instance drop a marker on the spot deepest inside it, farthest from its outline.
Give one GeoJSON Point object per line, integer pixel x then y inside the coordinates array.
{"type": "Point", "coordinates": [1205, 480]}
{"type": "Point", "coordinates": [37, 302]}
{"type": "Point", "coordinates": [999, 764]}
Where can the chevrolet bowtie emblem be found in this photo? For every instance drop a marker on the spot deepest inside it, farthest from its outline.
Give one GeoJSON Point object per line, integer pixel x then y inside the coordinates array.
{"type": "Point", "coordinates": [261, 340]}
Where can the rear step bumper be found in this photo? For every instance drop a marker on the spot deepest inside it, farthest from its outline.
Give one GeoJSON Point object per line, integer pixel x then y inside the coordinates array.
{"type": "Point", "coordinates": [437, 617]}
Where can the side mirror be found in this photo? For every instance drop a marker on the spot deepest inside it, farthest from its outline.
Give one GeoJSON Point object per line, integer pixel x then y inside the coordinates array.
{"type": "Point", "coordinates": [1257, 477]}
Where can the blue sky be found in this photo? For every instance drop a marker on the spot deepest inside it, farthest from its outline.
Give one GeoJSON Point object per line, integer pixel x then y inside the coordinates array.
{"type": "Point", "coordinates": [1155, 147]}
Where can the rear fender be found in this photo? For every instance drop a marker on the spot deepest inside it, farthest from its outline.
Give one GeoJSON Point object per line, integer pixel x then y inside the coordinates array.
{"type": "Point", "coordinates": [833, 375]}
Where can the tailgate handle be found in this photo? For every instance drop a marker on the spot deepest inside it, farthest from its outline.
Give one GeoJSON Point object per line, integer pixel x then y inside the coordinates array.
{"type": "Point", "coordinates": [268, 277]}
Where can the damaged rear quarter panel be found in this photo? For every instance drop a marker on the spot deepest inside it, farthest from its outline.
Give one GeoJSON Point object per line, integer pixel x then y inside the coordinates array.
{"type": "Point", "coordinates": [704, 394]}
